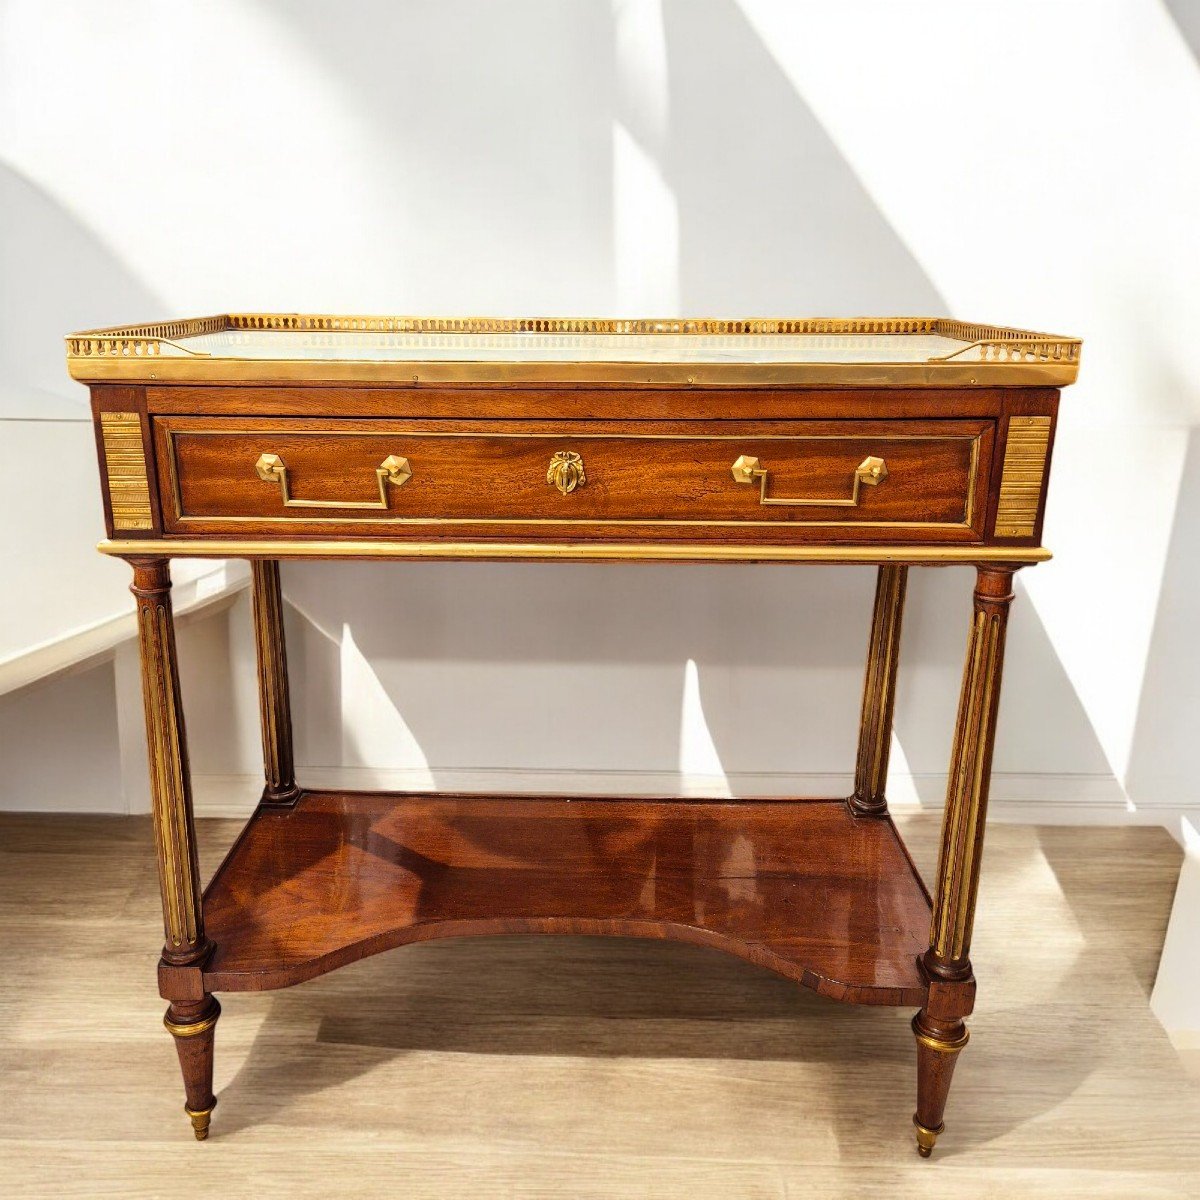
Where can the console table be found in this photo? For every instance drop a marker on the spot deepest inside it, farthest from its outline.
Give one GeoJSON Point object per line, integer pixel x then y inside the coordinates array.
{"type": "Point", "coordinates": [891, 442]}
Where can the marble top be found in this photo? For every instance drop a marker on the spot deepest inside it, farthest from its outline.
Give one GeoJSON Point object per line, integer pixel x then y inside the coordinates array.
{"type": "Point", "coordinates": [571, 347]}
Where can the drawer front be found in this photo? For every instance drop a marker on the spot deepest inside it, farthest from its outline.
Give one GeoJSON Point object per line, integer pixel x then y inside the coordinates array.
{"type": "Point", "coordinates": [876, 480]}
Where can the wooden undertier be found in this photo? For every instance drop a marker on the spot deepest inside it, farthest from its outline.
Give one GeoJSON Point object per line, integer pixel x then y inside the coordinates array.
{"type": "Point", "coordinates": [797, 886]}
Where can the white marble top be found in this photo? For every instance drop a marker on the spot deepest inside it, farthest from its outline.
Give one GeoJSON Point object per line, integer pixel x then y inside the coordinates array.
{"type": "Point", "coordinates": [570, 347]}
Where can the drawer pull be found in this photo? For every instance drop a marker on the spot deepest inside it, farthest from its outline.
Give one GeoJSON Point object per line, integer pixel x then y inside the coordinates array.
{"type": "Point", "coordinates": [566, 471]}
{"type": "Point", "coordinates": [394, 470]}
{"type": "Point", "coordinates": [871, 470]}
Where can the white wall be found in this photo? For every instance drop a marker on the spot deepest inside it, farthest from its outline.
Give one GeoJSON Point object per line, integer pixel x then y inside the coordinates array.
{"type": "Point", "coordinates": [710, 157]}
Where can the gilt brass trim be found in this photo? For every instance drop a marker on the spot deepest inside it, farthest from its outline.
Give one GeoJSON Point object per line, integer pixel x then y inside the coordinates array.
{"type": "Point", "coordinates": [201, 1119]}
{"type": "Point", "coordinates": [1007, 356]}
{"type": "Point", "coordinates": [183, 518]}
{"type": "Point", "coordinates": [1001, 336]}
{"type": "Point", "coordinates": [125, 466]}
{"type": "Point", "coordinates": [193, 1028]}
{"type": "Point", "coordinates": [947, 374]}
{"type": "Point", "coordinates": [941, 1045]}
{"type": "Point", "coordinates": [568, 551]}
{"type": "Point", "coordinates": [1024, 472]}
{"type": "Point", "coordinates": [926, 1137]}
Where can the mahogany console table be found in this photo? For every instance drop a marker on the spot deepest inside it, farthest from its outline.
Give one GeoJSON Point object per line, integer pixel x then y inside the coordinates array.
{"type": "Point", "coordinates": [895, 442]}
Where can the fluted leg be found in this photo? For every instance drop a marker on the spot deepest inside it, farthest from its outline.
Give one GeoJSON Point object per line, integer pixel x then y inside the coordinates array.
{"type": "Point", "coordinates": [193, 1026]}
{"type": "Point", "coordinates": [940, 1032]}
{"type": "Point", "coordinates": [274, 701]}
{"type": "Point", "coordinates": [174, 830]}
{"type": "Point", "coordinates": [170, 780]}
{"type": "Point", "coordinates": [879, 694]}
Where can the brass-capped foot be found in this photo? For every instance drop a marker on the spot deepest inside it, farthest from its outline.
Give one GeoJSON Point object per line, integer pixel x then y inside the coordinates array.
{"type": "Point", "coordinates": [200, 1119]}
{"type": "Point", "coordinates": [926, 1137]}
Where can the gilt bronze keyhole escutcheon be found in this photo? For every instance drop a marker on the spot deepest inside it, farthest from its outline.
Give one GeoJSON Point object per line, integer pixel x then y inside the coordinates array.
{"type": "Point", "coordinates": [566, 471]}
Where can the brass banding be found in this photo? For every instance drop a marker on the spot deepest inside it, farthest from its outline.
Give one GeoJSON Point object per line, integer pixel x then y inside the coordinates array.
{"type": "Point", "coordinates": [926, 1137]}
{"type": "Point", "coordinates": [193, 1028]}
{"type": "Point", "coordinates": [1022, 477]}
{"type": "Point", "coordinates": [181, 517]}
{"type": "Point", "coordinates": [941, 1045]}
{"type": "Point", "coordinates": [125, 470]}
{"type": "Point", "coordinates": [201, 1119]}
{"type": "Point", "coordinates": [619, 551]}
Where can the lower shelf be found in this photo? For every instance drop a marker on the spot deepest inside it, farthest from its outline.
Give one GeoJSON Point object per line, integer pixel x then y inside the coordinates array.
{"type": "Point", "coordinates": [797, 886]}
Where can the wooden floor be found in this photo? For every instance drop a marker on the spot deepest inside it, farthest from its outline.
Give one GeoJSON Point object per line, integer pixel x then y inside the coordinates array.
{"type": "Point", "coordinates": [573, 1067]}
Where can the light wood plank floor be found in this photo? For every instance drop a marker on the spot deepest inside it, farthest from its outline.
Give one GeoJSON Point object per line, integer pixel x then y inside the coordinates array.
{"type": "Point", "coordinates": [587, 1068]}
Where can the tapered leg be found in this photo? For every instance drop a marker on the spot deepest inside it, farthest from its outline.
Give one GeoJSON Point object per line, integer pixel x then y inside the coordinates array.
{"type": "Point", "coordinates": [879, 694]}
{"type": "Point", "coordinates": [193, 1026]}
{"type": "Point", "coordinates": [273, 698]}
{"type": "Point", "coordinates": [940, 1031]}
{"type": "Point", "coordinates": [938, 1044]}
{"type": "Point", "coordinates": [174, 830]}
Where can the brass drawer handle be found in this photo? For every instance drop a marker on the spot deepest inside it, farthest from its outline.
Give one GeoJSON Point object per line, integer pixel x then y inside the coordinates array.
{"type": "Point", "coordinates": [566, 471]}
{"type": "Point", "coordinates": [394, 470]}
{"type": "Point", "coordinates": [871, 471]}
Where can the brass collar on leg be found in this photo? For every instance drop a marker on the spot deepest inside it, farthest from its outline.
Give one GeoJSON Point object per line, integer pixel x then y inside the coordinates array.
{"type": "Point", "coordinates": [941, 1045]}
{"type": "Point", "coordinates": [200, 1118]}
{"type": "Point", "coordinates": [926, 1137]}
{"type": "Point", "coordinates": [192, 1028]}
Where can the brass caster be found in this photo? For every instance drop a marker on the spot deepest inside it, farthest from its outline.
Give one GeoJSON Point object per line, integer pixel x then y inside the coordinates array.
{"type": "Point", "coordinates": [200, 1119]}
{"type": "Point", "coordinates": [926, 1137]}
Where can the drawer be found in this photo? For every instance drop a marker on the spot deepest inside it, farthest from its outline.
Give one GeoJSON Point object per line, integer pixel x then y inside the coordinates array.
{"type": "Point", "coordinates": [901, 480]}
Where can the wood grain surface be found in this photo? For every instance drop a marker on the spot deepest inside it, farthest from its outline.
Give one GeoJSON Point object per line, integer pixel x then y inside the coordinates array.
{"type": "Point", "coordinates": [494, 475]}
{"type": "Point", "coordinates": [800, 887]}
{"type": "Point", "coordinates": [599, 403]}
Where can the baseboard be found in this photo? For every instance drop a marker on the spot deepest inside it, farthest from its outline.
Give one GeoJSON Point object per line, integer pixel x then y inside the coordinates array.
{"type": "Point", "coordinates": [1017, 798]}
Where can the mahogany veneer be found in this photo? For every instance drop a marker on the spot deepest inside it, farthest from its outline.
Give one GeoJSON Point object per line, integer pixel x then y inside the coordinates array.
{"type": "Point", "coordinates": [889, 442]}
{"type": "Point", "coordinates": [799, 886]}
{"type": "Point", "coordinates": [660, 478]}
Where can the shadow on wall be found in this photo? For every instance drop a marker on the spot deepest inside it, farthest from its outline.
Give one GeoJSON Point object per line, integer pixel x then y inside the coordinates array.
{"type": "Point", "coordinates": [1161, 765]}
{"type": "Point", "coordinates": [507, 666]}
{"type": "Point", "coordinates": [560, 666]}
{"type": "Point", "coordinates": [772, 218]}
{"type": "Point", "coordinates": [1043, 728]}
{"type": "Point", "coordinates": [1186, 14]}
{"type": "Point", "coordinates": [56, 276]}
{"type": "Point", "coordinates": [1161, 761]}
